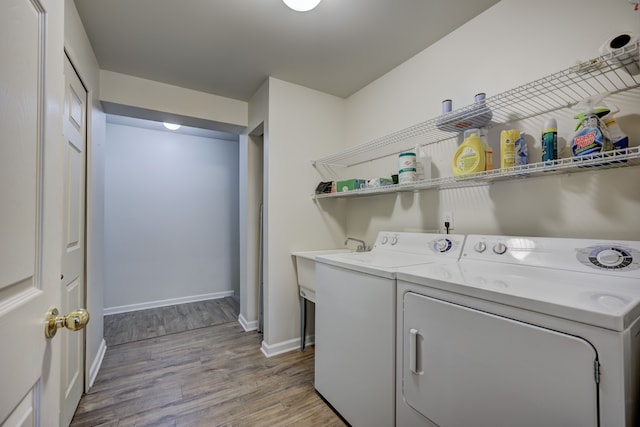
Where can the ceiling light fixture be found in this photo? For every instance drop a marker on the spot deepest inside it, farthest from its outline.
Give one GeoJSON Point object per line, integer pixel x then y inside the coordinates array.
{"type": "Point", "coordinates": [171, 126]}
{"type": "Point", "coordinates": [301, 5]}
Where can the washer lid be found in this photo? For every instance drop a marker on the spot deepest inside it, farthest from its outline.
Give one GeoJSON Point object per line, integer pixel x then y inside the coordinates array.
{"type": "Point", "coordinates": [379, 263]}
{"type": "Point", "coordinates": [397, 249]}
{"type": "Point", "coordinates": [609, 302]}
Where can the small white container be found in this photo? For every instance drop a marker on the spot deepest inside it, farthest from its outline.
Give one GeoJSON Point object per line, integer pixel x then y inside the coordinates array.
{"type": "Point", "coordinates": [407, 167]}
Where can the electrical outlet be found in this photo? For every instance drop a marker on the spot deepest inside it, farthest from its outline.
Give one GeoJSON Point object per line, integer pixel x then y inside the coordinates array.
{"type": "Point", "coordinates": [448, 217]}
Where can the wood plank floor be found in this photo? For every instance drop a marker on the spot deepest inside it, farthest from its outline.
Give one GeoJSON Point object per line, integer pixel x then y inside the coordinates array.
{"type": "Point", "coordinates": [213, 376]}
{"type": "Point", "coordinates": [154, 322]}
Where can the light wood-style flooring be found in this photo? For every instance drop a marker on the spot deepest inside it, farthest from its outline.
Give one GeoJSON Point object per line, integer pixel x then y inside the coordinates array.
{"type": "Point", "coordinates": [211, 376]}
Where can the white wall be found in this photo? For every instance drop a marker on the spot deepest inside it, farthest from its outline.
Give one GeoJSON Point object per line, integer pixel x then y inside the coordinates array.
{"type": "Point", "coordinates": [251, 190]}
{"type": "Point", "coordinates": [128, 95]}
{"type": "Point", "coordinates": [83, 59]}
{"type": "Point", "coordinates": [302, 124]}
{"type": "Point", "coordinates": [251, 171]}
{"type": "Point", "coordinates": [512, 43]}
{"type": "Point", "coordinates": [171, 217]}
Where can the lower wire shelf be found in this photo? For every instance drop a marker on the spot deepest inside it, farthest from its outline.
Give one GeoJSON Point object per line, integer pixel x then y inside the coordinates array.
{"type": "Point", "coordinates": [625, 157]}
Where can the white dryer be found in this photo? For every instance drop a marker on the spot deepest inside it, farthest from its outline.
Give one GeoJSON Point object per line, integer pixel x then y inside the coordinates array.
{"type": "Point", "coordinates": [521, 332]}
{"type": "Point", "coordinates": [355, 322]}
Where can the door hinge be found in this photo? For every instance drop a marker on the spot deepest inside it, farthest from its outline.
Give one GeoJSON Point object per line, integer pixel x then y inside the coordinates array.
{"type": "Point", "coordinates": [596, 366]}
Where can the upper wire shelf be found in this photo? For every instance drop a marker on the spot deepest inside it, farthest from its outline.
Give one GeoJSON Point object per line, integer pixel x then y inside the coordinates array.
{"type": "Point", "coordinates": [604, 74]}
{"type": "Point", "coordinates": [607, 160]}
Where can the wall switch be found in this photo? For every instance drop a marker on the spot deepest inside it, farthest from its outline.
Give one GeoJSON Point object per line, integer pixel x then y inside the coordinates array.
{"type": "Point", "coordinates": [448, 217]}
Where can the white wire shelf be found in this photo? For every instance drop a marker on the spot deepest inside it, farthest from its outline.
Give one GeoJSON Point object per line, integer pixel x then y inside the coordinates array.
{"type": "Point", "coordinates": [626, 157]}
{"type": "Point", "coordinates": [607, 73]}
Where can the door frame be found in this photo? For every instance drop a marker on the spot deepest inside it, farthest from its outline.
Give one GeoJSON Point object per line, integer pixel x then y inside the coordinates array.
{"type": "Point", "coordinates": [252, 195]}
{"type": "Point", "coordinates": [83, 303]}
{"type": "Point", "coordinates": [79, 53]}
{"type": "Point", "coordinates": [93, 280]}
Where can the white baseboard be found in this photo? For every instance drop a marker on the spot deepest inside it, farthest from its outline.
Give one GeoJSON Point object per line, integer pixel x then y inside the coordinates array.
{"type": "Point", "coordinates": [270, 350]}
{"type": "Point", "coordinates": [97, 363]}
{"type": "Point", "coordinates": [166, 302]}
{"type": "Point", "coordinates": [246, 325]}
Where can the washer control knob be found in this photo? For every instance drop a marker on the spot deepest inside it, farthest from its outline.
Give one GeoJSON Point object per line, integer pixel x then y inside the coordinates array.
{"type": "Point", "coordinates": [500, 248]}
{"type": "Point", "coordinates": [480, 247]}
{"type": "Point", "coordinates": [609, 257]}
{"type": "Point", "coordinates": [394, 240]}
{"type": "Point", "coordinates": [442, 245]}
{"type": "Point", "coordinates": [384, 240]}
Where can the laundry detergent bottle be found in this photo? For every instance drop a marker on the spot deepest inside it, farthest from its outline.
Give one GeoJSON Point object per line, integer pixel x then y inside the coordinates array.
{"type": "Point", "coordinates": [470, 156]}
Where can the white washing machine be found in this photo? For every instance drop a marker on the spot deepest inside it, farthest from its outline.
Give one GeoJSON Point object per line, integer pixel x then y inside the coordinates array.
{"type": "Point", "coordinates": [521, 332]}
{"type": "Point", "coordinates": [355, 322]}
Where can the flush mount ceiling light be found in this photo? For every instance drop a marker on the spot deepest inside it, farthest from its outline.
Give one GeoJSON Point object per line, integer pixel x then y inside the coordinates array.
{"type": "Point", "coordinates": [301, 5]}
{"type": "Point", "coordinates": [171, 126]}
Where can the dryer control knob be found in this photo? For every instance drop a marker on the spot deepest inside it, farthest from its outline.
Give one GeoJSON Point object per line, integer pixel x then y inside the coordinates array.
{"type": "Point", "coordinates": [480, 247]}
{"type": "Point", "coordinates": [500, 248]}
{"type": "Point", "coordinates": [394, 240]}
{"type": "Point", "coordinates": [609, 257]}
{"type": "Point", "coordinates": [442, 245]}
{"type": "Point", "coordinates": [384, 240]}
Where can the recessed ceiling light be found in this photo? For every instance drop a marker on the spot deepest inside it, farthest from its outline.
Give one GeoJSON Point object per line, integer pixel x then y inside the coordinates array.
{"type": "Point", "coordinates": [301, 5]}
{"type": "Point", "coordinates": [171, 126]}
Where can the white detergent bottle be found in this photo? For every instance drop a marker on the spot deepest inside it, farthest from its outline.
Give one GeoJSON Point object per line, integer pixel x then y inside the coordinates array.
{"type": "Point", "coordinates": [423, 163]}
{"type": "Point", "coordinates": [618, 138]}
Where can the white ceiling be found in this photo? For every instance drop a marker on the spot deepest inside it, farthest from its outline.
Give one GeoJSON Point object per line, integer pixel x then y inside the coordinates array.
{"type": "Point", "coordinates": [229, 47]}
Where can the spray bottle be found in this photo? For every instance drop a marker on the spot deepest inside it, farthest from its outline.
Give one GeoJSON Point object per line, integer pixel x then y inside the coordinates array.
{"type": "Point", "coordinates": [592, 136]}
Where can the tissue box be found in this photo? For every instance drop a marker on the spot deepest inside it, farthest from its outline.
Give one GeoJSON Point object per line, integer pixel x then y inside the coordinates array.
{"type": "Point", "coordinates": [350, 184]}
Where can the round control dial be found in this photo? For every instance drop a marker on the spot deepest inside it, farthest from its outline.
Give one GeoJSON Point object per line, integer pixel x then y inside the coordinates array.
{"type": "Point", "coordinates": [384, 240]}
{"type": "Point", "coordinates": [480, 247]}
{"type": "Point", "coordinates": [442, 245]}
{"type": "Point", "coordinates": [609, 257]}
{"type": "Point", "coordinates": [394, 240]}
{"type": "Point", "coordinates": [500, 248]}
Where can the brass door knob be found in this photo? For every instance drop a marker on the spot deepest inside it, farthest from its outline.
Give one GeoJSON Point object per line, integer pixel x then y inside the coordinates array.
{"type": "Point", "coordinates": [75, 320]}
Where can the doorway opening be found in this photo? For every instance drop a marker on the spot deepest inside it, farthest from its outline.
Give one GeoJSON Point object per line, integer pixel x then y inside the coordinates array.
{"type": "Point", "coordinates": [171, 227]}
{"type": "Point", "coordinates": [252, 230]}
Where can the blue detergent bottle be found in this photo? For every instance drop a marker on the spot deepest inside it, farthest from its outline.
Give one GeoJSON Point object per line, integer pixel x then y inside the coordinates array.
{"type": "Point", "coordinates": [592, 136]}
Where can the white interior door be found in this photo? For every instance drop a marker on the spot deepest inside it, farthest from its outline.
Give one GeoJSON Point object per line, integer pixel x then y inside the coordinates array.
{"type": "Point", "coordinates": [31, 43]}
{"type": "Point", "coordinates": [464, 367]}
{"type": "Point", "coordinates": [73, 250]}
